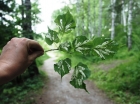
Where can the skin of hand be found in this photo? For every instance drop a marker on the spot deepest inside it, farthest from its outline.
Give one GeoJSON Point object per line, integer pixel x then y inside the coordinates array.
{"type": "Point", "coordinates": [16, 56]}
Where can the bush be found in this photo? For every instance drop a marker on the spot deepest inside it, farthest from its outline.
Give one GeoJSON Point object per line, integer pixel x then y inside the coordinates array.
{"type": "Point", "coordinates": [20, 94]}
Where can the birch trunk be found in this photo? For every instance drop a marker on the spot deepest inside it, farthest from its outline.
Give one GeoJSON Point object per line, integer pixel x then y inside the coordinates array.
{"type": "Point", "coordinates": [94, 18]}
{"type": "Point", "coordinates": [113, 17]}
{"type": "Point", "coordinates": [89, 20]}
{"type": "Point", "coordinates": [130, 24]}
{"type": "Point", "coordinates": [78, 19]}
{"type": "Point", "coordinates": [82, 19]}
{"type": "Point", "coordinates": [100, 18]}
{"type": "Point", "coordinates": [124, 15]}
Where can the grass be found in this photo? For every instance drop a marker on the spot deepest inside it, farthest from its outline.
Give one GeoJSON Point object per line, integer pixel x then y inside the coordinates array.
{"type": "Point", "coordinates": [120, 83]}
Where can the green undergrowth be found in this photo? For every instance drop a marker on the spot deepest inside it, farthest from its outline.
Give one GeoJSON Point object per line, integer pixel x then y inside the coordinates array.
{"type": "Point", "coordinates": [123, 53]}
{"type": "Point", "coordinates": [40, 60]}
{"type": "Point", "coordinates": [121, 83]}
{"type": "Point", "coordinates": [23, 93]}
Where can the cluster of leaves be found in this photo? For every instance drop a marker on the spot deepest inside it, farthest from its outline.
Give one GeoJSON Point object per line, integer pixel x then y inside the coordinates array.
{"type": "Point", "coordinates": [80, 45]}
{"type": "Point", "coordinates": [7, 26]}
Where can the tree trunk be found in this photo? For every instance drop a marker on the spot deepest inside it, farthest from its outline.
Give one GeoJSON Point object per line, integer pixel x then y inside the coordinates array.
{"type": "Point", "coordinates": [27, 28]}
{"type": "Point", "coordinates": [100, 18]}
{"type": "Point", "coordinates": [94, 18]}
{"type": "Point", "coordinates": [89, 27]}
{"type": "Point", "coordinates": [123, 15]}
{"type": "Point", "coordinates": [27, 32]}
{"type": "Point", "coordinates": [78, 18]}
{"type": "Point", "coordinates": [82, 18]}
{"type": "Point", "coordinates": [130, 24]}
{"type": "Point", "coordinates": [113, 17]}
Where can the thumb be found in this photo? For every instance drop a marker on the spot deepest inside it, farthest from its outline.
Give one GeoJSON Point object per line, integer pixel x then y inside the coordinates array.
{"type": "Point", "coordinates": [34, 55]}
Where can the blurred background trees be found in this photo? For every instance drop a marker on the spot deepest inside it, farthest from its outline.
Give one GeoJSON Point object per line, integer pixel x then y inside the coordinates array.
{"type": "Point", "coordinates": [7, 24]}
{"type": "Point", "coordinates": [115, 19]}
{"type": "Point", "coordinates": [17, 21]}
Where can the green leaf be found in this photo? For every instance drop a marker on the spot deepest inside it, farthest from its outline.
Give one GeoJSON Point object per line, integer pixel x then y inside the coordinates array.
{"type": "Point", "coordinates": [54, 35]}
{"type": "Point", "coordinates": [63, 67]}
{"type": "Point", "coordinates": [94, 42]}
{"type": "Point", "coordinates": [51, 36]}
{"type": "Point", "coordinates": [99, 45]}
{"type": "Point", "coordinates": [79, 41]}
{"type": "Point", "coordinates": [81, 73]}
{"type": "Point", "coordinates": [99, 52]}
{"type": "Point", "coordinates": [79, 47]}
{"type": "Point", "coordinates": [48, 39]}
{"type": "Point", "coordinates": [104, 49]}
{"type": "Point", "coordinates": [65, 22]}
{"type": "Point", "coordinates": [66, 47]}
{"type": "Point", "coordinates": [78, 83]}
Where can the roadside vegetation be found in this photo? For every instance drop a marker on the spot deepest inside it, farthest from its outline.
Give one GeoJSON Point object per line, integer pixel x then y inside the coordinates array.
{"type": "Point", "coordinates": [24, 92]}
{"type": "Point", "coordinates": [120, 80]}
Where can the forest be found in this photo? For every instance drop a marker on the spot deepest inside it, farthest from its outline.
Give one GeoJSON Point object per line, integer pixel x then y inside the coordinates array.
{"type": "Point", "coordinates": [91, 52]}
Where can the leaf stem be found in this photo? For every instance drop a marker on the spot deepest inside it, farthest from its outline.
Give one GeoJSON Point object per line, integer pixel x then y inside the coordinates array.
{"type": "Point", "coordinates": [50, 50]}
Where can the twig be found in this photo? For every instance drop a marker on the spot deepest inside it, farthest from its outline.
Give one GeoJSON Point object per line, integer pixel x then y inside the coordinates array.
{"type": "Point", "coordinates": [50, 50]}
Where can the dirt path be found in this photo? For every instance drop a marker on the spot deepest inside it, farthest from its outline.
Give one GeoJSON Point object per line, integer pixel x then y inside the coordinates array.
{"type": "Point", "coordinates": [61, 92]}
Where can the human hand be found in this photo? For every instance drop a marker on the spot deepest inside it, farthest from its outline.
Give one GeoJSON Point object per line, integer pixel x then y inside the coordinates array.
{"type": "Point", "coordinates": [18, 54]}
